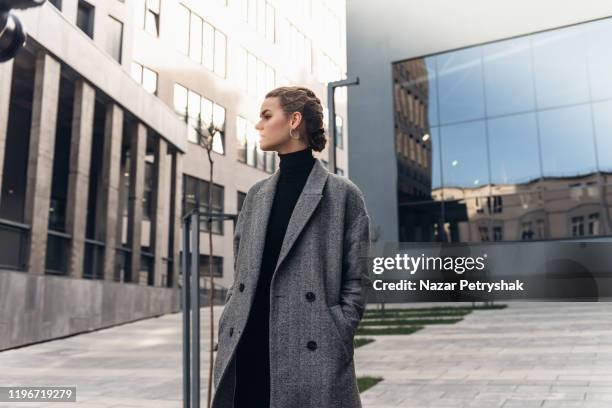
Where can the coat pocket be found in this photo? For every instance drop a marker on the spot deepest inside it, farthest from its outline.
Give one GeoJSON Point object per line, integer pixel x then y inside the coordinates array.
{"type": "Point", "coordinates": [343, 329]}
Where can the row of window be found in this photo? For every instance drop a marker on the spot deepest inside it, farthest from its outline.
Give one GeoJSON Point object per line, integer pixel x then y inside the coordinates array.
{"type": "Point", "coordinates": [411, 148]}
{"type": "Point", "coordinates": [259, 15]}
{"type": "Point", "coordinates": [146, 13]}
{"type": "Point", "coordinates": [295, 44]}
{"type": "Point", "coordinates": [583, 225]}
{"type": "Point", "coordinates": [145, 77]}
{"type": "Point", "coordinates": [194, 107]}
{"type": "Point", "coordinates": [189, 104]}
{"type": "Point", "coordinates": [255, 76]}
{"type": "Point", "coordinates": [202, 42]}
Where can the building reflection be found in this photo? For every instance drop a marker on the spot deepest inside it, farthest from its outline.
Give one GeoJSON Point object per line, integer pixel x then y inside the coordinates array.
{"type": "Point", "coordinates": [507, 141]}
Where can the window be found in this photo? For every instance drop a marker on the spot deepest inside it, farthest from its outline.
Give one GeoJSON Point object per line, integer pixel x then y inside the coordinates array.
{"type": "Point", "coordinates": [114, 40]}
{"type": "Point", "coordinates": [85, 18]}
{"type": "Point", "coordinates": [195, 195]}
{"type": "Point", "coordinates": [269, 22]}
{"type": "Point", "coordinates": [217, 268]}
{"type": "Point", "coordinates": [202, 42]}
{"type": "Point", "coordinates": [498, 233]}
{"type": "Point", "coordinates": [241, 139]}
{"type": "Point", "coordinates": [577, 226]}
{"type": "Point", "coordinates": [191, 105]}
{"type": "Point", "coordinates": [258, 78]}
{"type": "Point", "coordinates": [182, 29]}
{"type": "Point", "coordinates": [295, 45]}
{"type": "Point", "coordinates": [219, 54]}
{"type": "Point", "coordinates": [146, 77]}
{"type": "Point", "coordinates": [147, 197]}
{"type": "Point", "coordinates": [526, 231]}
{"type": "Point", "coordinates": [195, 38]}
{"type": "Point", "coordinates": [152, 17]}
{"type": "Point", "coordinates": [497, 204]}
{"type": "Point", "coordinates": [147, 15]}
{"type": "Point", "coordinates": [484, 234]}
{"type": "Point", "coordinates": [208, 46]}
{"type": "Point", "coordinates": [593, 226]}
{"type": "Point", "coordinates": [180, 100]}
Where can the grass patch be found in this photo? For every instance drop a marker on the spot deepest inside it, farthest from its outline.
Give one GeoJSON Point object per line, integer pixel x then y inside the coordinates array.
{"type": "Point", "coordinates": [375, 331]}
{"type": "Point", "coordinates": [407, 322]}
{"type": "Point", "coordinates": [437, 310]}
{"type": "Point", "coordinates": [362, 341]}
{"type": "Point", "coordinates": [363, 383]}
{"type": "Point", "coordinates": [391, 314]}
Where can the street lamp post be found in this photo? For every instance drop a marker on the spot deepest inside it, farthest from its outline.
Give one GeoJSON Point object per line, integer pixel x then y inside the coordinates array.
{"type": "Point", "coordinates": [331, 87]}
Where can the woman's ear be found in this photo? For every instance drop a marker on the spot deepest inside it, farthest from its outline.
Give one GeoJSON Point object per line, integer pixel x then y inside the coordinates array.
{"type": "Point", "coordinates": [296, 120]}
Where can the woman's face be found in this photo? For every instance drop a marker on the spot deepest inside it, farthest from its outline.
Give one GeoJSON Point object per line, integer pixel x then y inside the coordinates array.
{"type": "Point", "coordinates": [273, 126]}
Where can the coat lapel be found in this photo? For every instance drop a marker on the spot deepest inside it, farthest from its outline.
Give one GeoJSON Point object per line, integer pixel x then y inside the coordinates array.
{"type": "Point", "coordinates": [304, 208]}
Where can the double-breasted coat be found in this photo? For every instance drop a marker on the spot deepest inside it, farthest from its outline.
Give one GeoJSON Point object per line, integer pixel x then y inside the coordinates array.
{"type": "Point", "coordinates": [317, 293]}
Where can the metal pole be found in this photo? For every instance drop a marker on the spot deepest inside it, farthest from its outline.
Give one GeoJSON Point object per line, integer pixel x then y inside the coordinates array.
{"type": "Point", "coordinates": [331, 118]}
{"type": "Point", "coordinates": [331, 107]}
{"type": "Point", "coordinates": [195, 307]}
{"type": "Point", "coordinates": [185, 292]}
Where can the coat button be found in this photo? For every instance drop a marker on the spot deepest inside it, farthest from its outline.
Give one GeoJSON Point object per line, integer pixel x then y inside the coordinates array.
{"type": "Point", "coordinates": [241, 287]}
{"type": "Point", "coordinates": [231, 331]}
{"type": "Point", "coordinates": [310, 296]}
{"type": "Point", "coordinates": [312, 345]}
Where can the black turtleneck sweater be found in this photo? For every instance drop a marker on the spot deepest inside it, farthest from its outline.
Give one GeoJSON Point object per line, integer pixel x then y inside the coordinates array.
{"type": "Point", "coordinates": [253, 354]}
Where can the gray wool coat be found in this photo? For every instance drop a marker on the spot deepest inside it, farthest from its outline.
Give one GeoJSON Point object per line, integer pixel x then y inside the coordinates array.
{"type": "Point", "coordinates": [317, 293]}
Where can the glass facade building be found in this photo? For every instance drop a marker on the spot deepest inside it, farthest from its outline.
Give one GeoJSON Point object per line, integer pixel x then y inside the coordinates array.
{"type": "Point", "coordinates": [507, 141]}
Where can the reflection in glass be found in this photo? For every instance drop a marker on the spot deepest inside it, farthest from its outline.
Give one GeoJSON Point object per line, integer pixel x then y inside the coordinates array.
{"type": "Point", "coordinates": [567, 141]}
{"type": "Point", "coordinates": [508, 77]}
{"type": "Point", "coordinates": [464, 155]}
{"type": "Point", "coordinates": [602, 117]}
{"type": "Point", "coordinates": [507, 141]}
{"type": "Point", "coordinates": [560, 68]}
{"type": "Point", "coordinates": [513, 147]}
{"type": "Point", "coordinates": [599, 57]}
{"type": "Point", "coordinates": [460, 87]}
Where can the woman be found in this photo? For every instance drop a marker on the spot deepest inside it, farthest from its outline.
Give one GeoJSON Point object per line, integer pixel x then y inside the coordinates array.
{"type": "Point", "coordinates": [300, 245]}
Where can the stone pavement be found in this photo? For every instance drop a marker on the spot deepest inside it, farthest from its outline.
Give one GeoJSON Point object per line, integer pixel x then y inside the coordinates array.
{"type": "Point", "coordinates": [551, 355]}
{"type": "Point", "coordinates": [528, 355]}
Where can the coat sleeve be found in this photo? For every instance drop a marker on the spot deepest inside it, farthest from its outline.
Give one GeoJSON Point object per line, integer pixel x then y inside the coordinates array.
{"type": "Point", "coordinates": [355, 276]}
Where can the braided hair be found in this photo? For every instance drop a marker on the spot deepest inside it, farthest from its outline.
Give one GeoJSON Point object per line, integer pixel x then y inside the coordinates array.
{"type": "Point", "coordinates": [303, 100]}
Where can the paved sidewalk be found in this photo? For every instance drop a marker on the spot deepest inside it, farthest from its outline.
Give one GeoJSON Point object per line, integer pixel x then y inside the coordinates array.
{"type": "Point", "coordinates": [549, 355]}
{"type": "Point", "coordinates": [528, 355]}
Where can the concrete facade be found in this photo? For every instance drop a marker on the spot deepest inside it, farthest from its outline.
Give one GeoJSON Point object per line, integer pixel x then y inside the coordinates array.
{"type": "Point", "coordinates": [105, 160]}
{"type": "Point", "coordinates": [40, 163]}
